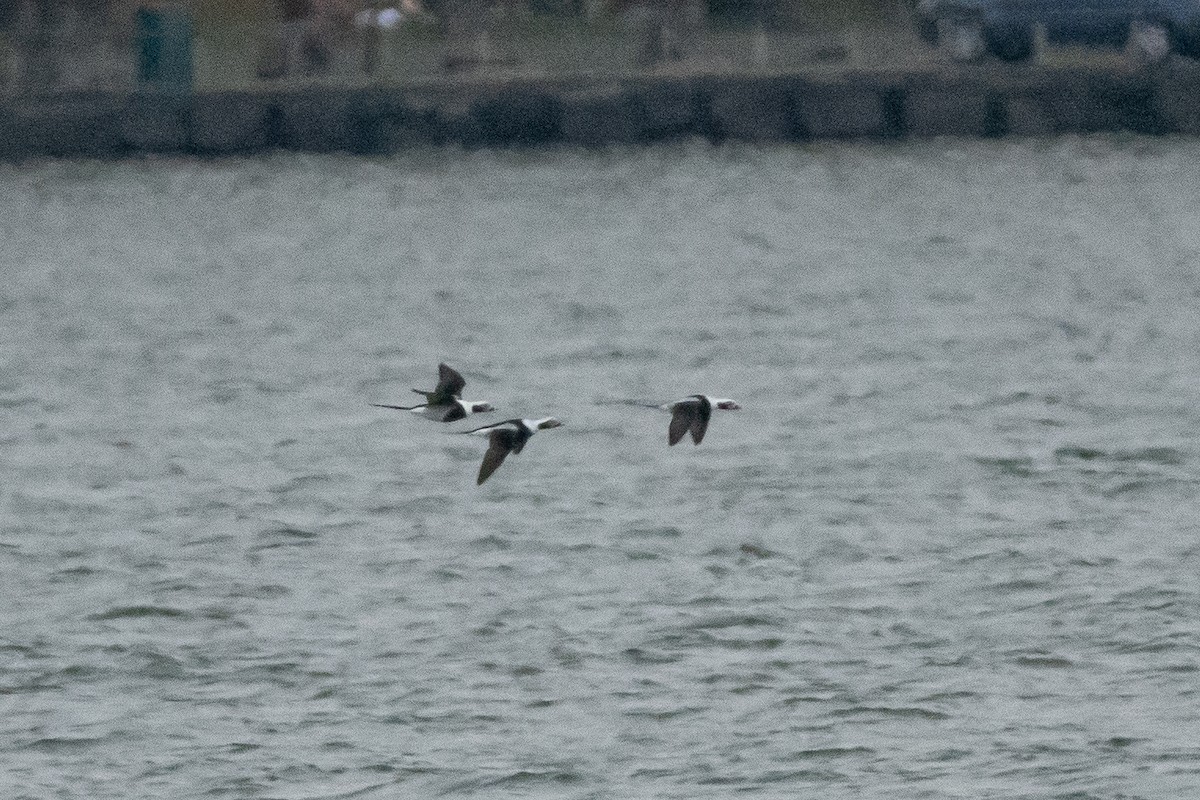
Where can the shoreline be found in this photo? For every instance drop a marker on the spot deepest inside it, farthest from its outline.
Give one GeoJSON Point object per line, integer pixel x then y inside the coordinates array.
{"type": "Point", "coordinates": [990, 100]}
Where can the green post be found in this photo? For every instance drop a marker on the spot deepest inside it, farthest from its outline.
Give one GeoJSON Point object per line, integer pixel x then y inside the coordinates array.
{"type": "Point", "coordinates": [164, 46]}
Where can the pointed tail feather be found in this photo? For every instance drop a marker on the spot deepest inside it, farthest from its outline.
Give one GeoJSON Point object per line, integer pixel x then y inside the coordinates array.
{"type": "Point", "coordinates": [635, 403]}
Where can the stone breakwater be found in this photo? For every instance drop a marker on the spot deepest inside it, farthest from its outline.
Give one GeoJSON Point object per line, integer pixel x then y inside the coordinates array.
{"type": "Point", "coordinates": [989, 100]}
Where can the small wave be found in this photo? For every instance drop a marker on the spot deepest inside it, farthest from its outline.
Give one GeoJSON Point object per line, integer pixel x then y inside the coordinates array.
{"type": "Point", "coordinates": [159, 666]}
{"type": "Point", "coordinates": [943, 297]}
{"type": "Point", "coordinates": [223, 392]}
{"type": "Point", "coordinates": [1118, 742]}
{"type": "Point", "coordinates": [522, 779]}
{"type": "Point", "coordinates": [52, 681]}
{"type": "Point", "coordinates": [1159, 645]}
{"type": "Point", "coordinates": [641, 655]}
{"type": "Point", "coordinates": [755, 551]}
{"type": "Point", "coordinates": [998, 401]}
{"type": "Point", "coordinates": [831, 752]}
{"type": "Point", "coordinates": [664, 531]}
{"type": "Point", "coordinates": [59, 744]}
{"type": "Point", "coordinates": [138, 612]}
{"type": "Point", "coordinates": [80, 571]}
{"type": "Point", "coordinates": [1046, 661]}
{"type": "Point", "coordinates": [1165, 456]}
{"type": "Point", "coordinates": [664, 714]}
{"type": "Point", "coordinates": [284, 536]}
{"type": "Point", "coordinates": [221, 613]}
{"type": "Point", "coordinates": [491, 542]}
{"type": "Point", "coordinates": [525, 671]}
{"type": "Point", "coordinates": [302, 483]}
{"type": "Point", "coordinates": [774, 776]}
{"type": "Point", "coordinates": [891, 711]}
{"type": "Point", "coordinates": [766, 643]}
{"type": "Point", "coordinates": [263, 591]}
{"type": "Point", "coordinates": [737, 621]}
{"type": "Point", "coordinates": [708, 599]}
{"type": "Point", "coordinates": [1075, 452]}
{"type": "Point", "coordinates": [1017, 585]}
{"type": "Point", "coordinates": [1018, 466]}
{"type": "Point", "coordinates": [1129, 487]}
{"type": "Point", "coordinates": [206, 541]}
{"type": "Point", "coordinates": [426, 504]}
{"type": "Point", "coordinates": [950, 754]}
{"type": "Point", "coordinates": [941, 697]}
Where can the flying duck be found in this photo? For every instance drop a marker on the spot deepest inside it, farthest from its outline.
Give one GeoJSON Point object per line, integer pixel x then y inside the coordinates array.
{"type": "Point", "coordinates": [507, 437]}
{"type": "Point", "coordinates": [445, 403]}
{"type": "Point", "coordinates": [691, 414]}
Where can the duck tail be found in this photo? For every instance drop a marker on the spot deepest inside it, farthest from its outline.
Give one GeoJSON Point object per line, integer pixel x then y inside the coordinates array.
{"type": "Point", "coordinates": [635, 403]}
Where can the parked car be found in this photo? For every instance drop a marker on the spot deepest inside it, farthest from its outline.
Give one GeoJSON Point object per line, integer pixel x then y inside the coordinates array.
{"type": "Point", "coordinates": [967, 29]}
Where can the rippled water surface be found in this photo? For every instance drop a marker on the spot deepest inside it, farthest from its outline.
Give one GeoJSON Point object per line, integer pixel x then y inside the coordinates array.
{"type": "Point", "coordinates": [948, 549]}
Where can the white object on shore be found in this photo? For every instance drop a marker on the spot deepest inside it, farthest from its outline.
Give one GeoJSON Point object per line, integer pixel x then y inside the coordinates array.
{"type": "Point", "coordinates": [760, 49]}
{"type": "Point", "coordinates": [386, 18]}
{"type": "Point", "coordinates": [1039, 43]}
{"type": "Point", "coordinates": [1149, 42]}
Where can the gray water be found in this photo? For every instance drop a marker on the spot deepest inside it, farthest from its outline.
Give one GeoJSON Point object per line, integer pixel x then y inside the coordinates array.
{"type": "Point", "coordinates": [948, 549]}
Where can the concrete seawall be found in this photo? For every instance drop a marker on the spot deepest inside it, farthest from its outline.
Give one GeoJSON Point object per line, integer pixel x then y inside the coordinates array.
{"type": "Point", "coordinates": [988, 100]}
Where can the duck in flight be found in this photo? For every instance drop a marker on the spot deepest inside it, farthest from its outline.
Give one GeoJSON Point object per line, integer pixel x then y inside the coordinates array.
{"type": "Point", "coordinates": [691, 415]}
{"type": "Point", "coordinates": [445, 403]}
{"type": "Point", "coordinates": [507, 437]}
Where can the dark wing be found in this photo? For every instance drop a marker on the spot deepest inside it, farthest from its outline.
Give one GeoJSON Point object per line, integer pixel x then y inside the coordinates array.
{"type": "Point", "coordinates": [519, 438]}
{"type": "Point", "coordinates": [700, 422]}
{"type": "Point", "coordinates": [454, 413]}
{"type": "Point", "coordinates": [684, 416]}
{"type": "Point", "coordinates": [500, 443]}
{"type": "Point", "coordinates": [398, 408]}
{"type": "Point", "coordinates": [450, 384]}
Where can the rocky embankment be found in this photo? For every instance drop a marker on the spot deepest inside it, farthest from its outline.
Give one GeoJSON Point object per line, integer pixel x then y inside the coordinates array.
{"type": "Point", "coordinates": [987, 100]}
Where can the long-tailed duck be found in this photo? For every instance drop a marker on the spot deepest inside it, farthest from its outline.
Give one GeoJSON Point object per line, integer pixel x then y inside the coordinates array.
{"type": "Point", "coordinates": [507, 437]}
{"type": "Point", "coordinates": [445, 403]}
{"type": "Point", "coordinates": [691, 414]}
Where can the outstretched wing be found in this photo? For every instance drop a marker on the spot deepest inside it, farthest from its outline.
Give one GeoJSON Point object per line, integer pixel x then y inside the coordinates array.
{"type": "Point", "coordinates": [689, 415]}
{"type": "Point", "coordinates": [450, 384]}
{"type": "Point", "coordinates": [500, 443]}
{"type": "Point", "coordinates": [684, 416]}
{"type": "Point", "coordinates": [700, 423]}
